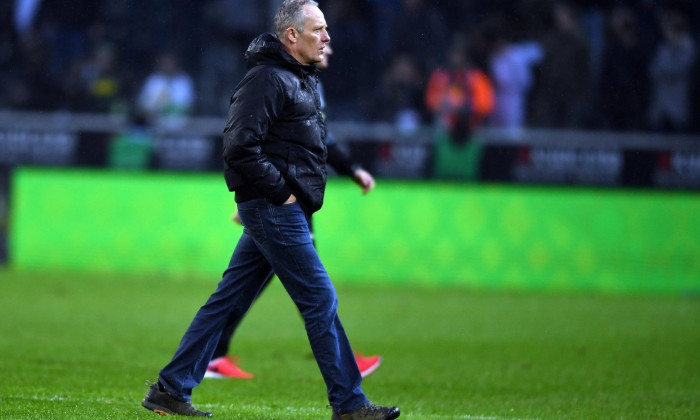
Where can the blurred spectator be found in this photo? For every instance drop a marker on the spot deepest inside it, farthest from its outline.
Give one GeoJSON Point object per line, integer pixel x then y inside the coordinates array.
{"type": "Point", "coordinates": [511, 69]}
{"type": "Point", "coordinates": [561, 92]}
{"type": "Point", "coordinates": [131, 148]}
{"type": "Point", "coordinates": [95, 85]}
{"type": "Point", "coordinates": [670, 73]}
{"type": "Point", "coordinates": [54, 54]}
{"type": "Point", "coordinates": [623, 81]}
{"type": "Point", "coordinates": [461, 97]}
{"type": "Point", "coordinates": [400, 95]}
{"type": "Point", "coordinates": [168, 92]}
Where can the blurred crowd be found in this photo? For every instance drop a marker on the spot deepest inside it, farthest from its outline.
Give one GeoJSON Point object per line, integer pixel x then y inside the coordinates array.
{"type": "Point", "coordinates": [624, 65]}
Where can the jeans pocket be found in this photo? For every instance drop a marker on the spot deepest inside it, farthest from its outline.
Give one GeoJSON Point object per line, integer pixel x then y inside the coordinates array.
{"type": "Point", "coordinates": [252, 223]}
{"type": "Point", "coordinates": [291, 223]}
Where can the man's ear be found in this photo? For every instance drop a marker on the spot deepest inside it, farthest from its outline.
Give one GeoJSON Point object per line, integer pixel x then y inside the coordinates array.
{"type": "Point", "coordinates": [291, 34]}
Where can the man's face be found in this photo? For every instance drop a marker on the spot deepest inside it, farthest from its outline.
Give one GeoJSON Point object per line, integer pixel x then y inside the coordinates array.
{"type": "Point", "coordinates": [311, 42]}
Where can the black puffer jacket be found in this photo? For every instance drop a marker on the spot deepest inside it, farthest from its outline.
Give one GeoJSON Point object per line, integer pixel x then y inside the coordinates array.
{"type": "Point", "coordinates": [274, 139]}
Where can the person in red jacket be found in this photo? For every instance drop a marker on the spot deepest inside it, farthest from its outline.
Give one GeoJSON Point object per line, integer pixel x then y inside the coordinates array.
{"type": "Point", "coordinates": [461, 98]}
{"type": "Point", "coordinates": [459, 95]}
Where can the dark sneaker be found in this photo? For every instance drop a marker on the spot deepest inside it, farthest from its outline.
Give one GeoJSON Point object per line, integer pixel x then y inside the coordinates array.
{"type": "Point", "coordinates": [369, 412]}
{"type": "Point", "coordinates": [160, 402]}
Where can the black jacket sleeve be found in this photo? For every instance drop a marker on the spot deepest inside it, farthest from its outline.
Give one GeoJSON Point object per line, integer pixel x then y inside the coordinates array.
{"type": "Point", "coordinates": [255, 105]}
{"type": "Point", "coordinates": [339, 159]}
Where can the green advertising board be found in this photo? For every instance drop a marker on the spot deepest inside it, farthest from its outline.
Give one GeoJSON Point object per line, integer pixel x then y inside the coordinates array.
{"type": "Point", "coordinates": [473, 235]}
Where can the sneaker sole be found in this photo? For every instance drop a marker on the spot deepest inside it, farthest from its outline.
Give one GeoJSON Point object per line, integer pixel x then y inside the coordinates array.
{"type": "Point", "coordinates": [157, 409]}
{"type": "Point", "coordinates": [391, 416]}
{"type": "Point", "coordinates": [213, 375]}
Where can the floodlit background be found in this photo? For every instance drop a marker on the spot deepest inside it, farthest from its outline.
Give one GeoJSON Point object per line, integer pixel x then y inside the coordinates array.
{"type": "Point", "coordinates": [530, 251]}
{"type": "Point", "coordinates": [586, 64]}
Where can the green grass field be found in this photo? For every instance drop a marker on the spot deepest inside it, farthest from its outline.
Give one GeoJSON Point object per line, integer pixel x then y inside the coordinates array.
{"type": "Point", "coordinates": [81, 346]}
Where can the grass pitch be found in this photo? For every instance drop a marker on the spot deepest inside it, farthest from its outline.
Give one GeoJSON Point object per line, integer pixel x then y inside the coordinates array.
{"type": "Point", "coordinates": [81, 346]}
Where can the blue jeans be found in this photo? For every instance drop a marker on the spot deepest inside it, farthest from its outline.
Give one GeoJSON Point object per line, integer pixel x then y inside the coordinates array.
{"type": "Point", "coordinates": [275, 238]}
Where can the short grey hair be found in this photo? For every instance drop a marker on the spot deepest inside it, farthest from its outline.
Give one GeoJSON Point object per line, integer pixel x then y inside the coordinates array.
{"type": "Point", "coordinates": [291, 13]}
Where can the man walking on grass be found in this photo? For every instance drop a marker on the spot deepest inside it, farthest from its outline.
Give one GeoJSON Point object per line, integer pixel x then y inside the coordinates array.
{"type": "Point", "coordinates": [224, 365]}
{"type": "Point", "coordinates": [275, 162]}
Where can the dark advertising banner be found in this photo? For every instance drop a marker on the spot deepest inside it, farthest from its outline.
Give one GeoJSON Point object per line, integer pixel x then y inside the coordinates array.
{"type": "Point", "coordinates": [679, 169]}
{"type": "Point", "coordinates": [38, 147]}
{"type": "Point", "coordinates": [611, 167]}
{"type": "Point", "coordinates": [124, 150]}
{"type": "Point", "coordinates": [539, 157]}
{"type": "Point", "coordinates": [556, 165]}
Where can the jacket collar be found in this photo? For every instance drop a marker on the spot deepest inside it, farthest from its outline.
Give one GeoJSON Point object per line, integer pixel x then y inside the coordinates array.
{"type": "Point", "coordinates": [267, 49]}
